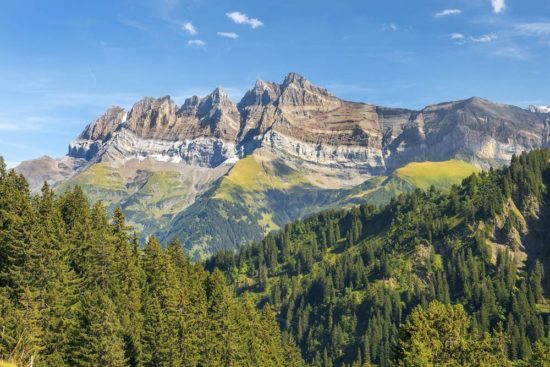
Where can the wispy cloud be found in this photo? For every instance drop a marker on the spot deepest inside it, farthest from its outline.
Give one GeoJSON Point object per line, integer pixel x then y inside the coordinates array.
{"type": "Point", "coordinates": [15, 126]}
{"type": "Point", "coordinates": [132, 23]}
{"type": "Point", "coordinates": [534, 29]}
{"type": "Point", "coordinates": [448, 12]}
{"type": "Point", "coordinates": [189, 28]}
{"type": "Point", "coordinates": [485, 38]}
{"type": "Point", "coordinates": [457, 36]}
{"type": "Point", "coordinates": [231, 35]}
{"type": "Point", "coordinates": [25, 123]}
{"type": "Point", "coordinates": [196, 43]}
{"type": "Point", "coordinates": [511, 51]}
{"type": "Point", "coordinates": [498, 6]}
{"type": "Point", "coordinates": [241, 18]}
{"type": "Point", "coordinates": [389, 27]}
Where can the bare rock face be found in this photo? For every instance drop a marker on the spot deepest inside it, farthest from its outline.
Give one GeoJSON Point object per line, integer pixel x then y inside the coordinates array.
{"type": "Point", "coordinates": [212, 116]}
{"type": "Point", "coordinates": [153, 118]}
{"type": "Point", "coordinates": [475, 130]}
{"type": "Point", "coordinates": [202, 132]}
{"type": "Point", "coordinates": [88, 144]}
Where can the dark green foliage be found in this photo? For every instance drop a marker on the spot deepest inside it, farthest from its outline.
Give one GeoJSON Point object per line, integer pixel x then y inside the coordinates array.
{"type": "Point", "coordinates": [344, 281]}
{"type": "Point", "coordinates": [76, 289]}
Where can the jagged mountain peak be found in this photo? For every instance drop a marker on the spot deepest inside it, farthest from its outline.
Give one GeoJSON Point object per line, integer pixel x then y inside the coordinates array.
{"type": "Point", "coordinates": [219, 112]}
{"type": "Point", "coordinates": [150, 116]}
{"type": "Point", "coordinates": [190, 103]}
{"type": "Point", "coordinates": [147, 103]}
{"type": "Point", "coordinates": [262, 94]}
{"type": "Point", "coordinates": [218, 98]}
{"type": "Point", "coordinates": [295, 78]}
{"type": "Point", "coordinates": [219, 92]}
{"type": "Point", "coordinates": [298, 91]}
{"type": "Point", "coordinates": [106, 124]}
{"type": "Point", "coordinates": [295, 90]}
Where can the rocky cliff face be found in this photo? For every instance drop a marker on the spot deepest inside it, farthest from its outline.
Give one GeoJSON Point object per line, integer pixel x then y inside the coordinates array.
{"type": "Point", "coordinates": [302, 122]}
{"type": "Point", "coordinates": [202, 132]}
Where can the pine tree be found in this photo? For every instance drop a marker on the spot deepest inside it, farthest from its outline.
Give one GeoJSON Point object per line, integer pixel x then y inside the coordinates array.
{"type": "Point", "coordinates": [158, 306]}
{"type": "Point", "coordinates": [97, 338]}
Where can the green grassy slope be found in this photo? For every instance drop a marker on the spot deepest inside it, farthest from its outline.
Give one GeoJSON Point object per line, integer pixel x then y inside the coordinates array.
{"type": "Point", "coordinates": [259, 195]}
{"type": "Point", "coordinates": [150, 200]}
{"type": "Point", "coordinates": [440, 174]}
{"type": "Point", "coordinates": [254, 198]}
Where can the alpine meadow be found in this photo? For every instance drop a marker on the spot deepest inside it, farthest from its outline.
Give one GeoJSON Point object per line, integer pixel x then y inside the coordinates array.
{"type": "Point", "coordinates": [315, 183]}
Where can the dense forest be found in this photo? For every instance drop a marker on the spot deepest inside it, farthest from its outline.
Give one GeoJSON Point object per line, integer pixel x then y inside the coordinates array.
{"type": "Point", "coordinates": [433, 279]}
{"type": "Point", "coordinates": [77, 289]}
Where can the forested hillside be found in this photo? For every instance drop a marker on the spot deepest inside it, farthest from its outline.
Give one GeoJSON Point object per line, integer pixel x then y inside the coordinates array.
{"type": "Point", "coordinates": [345, 282]}
{"type": "Point", "coordinates": [76, 289]}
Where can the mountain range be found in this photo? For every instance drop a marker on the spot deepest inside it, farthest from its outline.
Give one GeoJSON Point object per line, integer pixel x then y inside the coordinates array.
{"type": "Point", "coordinates": [218, 174]}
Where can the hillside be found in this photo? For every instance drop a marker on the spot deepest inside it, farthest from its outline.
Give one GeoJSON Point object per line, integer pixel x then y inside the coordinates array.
{"type": "Point", "coordinates": [344, 281]}
{"type": "Point", "coordinates": [261, 194]}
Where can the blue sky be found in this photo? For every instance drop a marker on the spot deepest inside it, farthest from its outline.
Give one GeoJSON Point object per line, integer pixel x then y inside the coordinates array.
{"type": "Point", "coordinates": [63, 62]}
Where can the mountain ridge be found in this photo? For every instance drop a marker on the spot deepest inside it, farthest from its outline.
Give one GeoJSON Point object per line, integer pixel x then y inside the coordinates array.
{"type": "Point", "coordinates": [295, 125]}
{"type": "Point", "coordinates": [269, 113]}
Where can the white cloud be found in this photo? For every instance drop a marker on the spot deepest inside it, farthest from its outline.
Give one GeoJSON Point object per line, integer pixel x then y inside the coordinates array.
{"type": "Point", "coordinates": [241, 18]}
{"type": "Point", "coordinates": [498, 6]}
{"type": "Point", "coordinates": [448, 12]}
{"type": "Point", "coordinates": [390, 27]}
{"type": "Point", "coordinates": [457, 36]}
{"type": "Point", "coordinates": [231, 35]}
{"type": "Point", "coordinates": [189, 28]}
{"type": "Point", "coordinates": [197, 43]}
{"type": "Point", "coordinates": [485, 38]}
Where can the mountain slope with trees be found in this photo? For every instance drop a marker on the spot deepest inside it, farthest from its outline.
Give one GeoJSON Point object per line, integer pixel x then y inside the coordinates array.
{"type": "Point", "coordinates": [344, 282]}
{"type": "Point", "coordinates": [167, 164]}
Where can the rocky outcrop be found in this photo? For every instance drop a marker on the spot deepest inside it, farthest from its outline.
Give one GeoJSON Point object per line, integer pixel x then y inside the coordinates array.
{"type": "Point", "coordinates": [89, 142]}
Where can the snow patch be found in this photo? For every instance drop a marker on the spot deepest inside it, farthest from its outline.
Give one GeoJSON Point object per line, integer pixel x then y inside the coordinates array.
{"type": "Point", "coordinates": [232, 160]}
{"type": "Point", "coordinates": [539, 109]}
